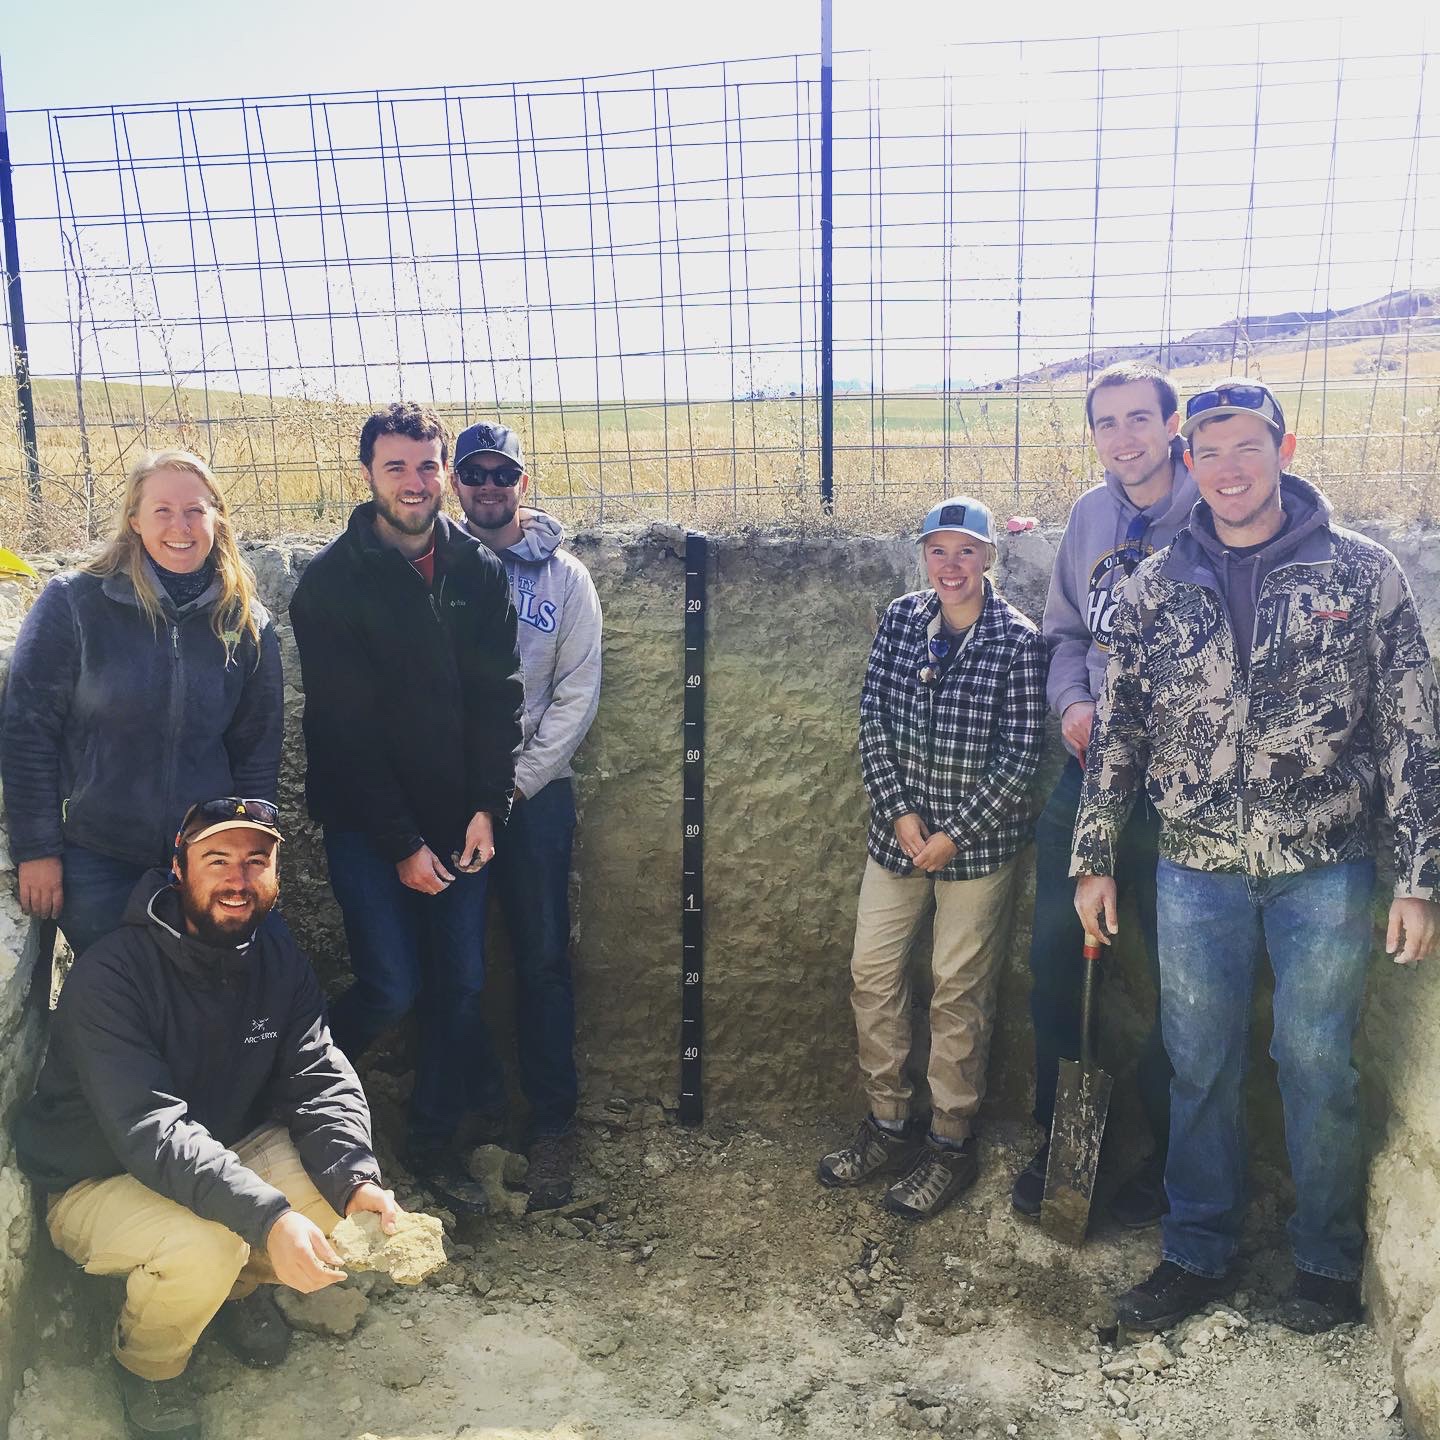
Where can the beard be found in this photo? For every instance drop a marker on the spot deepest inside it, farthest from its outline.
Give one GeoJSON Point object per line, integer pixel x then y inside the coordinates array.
{"type": "Point", "coordinates": [493, 516]}
{"type": "Point", "coordinates": [408, 519]}
{"type": "Point", "coordinates": [213, 924]}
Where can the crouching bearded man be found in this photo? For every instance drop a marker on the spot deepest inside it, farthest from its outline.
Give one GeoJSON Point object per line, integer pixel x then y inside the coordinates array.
{"type": "Point", "coordinates": [193, 1127]}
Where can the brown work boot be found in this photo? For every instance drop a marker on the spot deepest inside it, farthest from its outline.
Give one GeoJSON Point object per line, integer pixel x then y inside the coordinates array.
{"type": "Point", "coordinates": [874, 1151]}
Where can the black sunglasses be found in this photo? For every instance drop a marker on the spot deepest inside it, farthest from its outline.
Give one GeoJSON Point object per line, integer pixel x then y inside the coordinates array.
{"type": "Point", "coordinates": [505, 475]}
{"type": "Point", "coordinates": [228, 807]}
{"type": "Point", "coordinates": [1247, 397]}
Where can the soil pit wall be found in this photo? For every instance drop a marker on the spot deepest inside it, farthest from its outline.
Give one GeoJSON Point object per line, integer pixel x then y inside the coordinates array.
{"type": "Point", "coordinates": [790, 625]}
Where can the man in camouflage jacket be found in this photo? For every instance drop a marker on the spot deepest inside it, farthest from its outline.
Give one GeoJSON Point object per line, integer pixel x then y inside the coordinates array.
{"type": "Point", "coordinates": [1270, 687]}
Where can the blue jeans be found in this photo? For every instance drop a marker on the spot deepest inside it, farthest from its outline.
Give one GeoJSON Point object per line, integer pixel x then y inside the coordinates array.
{"type": "Point", "coordinates": [531, 881]}
{"type": "Point", "coordinates": [410, 951]}
{"type": "Point", "coordinates": [1056, 940]}
{"type": "Point", "coordinates": [97, 889]}
{"type": "Point", "coordinates": [1317, 928]}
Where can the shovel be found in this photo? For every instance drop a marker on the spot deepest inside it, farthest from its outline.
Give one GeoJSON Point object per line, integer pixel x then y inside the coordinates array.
{"type": "Point", "coordinates": [1082, 1100]}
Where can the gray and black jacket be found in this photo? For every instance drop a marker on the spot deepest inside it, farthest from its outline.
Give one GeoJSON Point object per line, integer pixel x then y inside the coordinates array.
{"type": "Point", "coordinates": [165, 1052]}
{"type": "Point", "coordinates": [1281, 768]}
{"type": "Point", "coordinates": [112, 727]}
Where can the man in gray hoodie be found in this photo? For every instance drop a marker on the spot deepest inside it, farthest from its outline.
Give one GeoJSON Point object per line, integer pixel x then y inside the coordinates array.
{"type": "Point", "coordinates": [1144, 499]}
{"type": "Point", "coordinates": [559, 614]}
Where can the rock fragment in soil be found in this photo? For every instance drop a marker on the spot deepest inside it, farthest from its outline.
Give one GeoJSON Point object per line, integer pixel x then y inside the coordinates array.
{"type": "Point", "coordinates": [400, 1365]}
{"type": "Point", "coordinates": [334, 1311]}
{"type": "Point", "coordinates": [415, 1250]}
{"type": "Point", "coordinates": [497, 1170]}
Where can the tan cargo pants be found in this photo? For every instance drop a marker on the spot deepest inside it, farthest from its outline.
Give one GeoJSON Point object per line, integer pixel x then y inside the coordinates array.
{"type": "Point", "coordinates": [181, 1268]}
{"type": "Point", "coordinates": [971, 933]}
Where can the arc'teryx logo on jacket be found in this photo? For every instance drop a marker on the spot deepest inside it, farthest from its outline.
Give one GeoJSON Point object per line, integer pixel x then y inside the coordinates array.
{"type": "Point", "coordinates": [1279, 771]}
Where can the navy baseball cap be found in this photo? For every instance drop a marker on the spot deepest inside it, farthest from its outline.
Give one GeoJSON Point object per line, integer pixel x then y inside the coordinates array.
{"type": "Point", "coordinates": [494, 439]}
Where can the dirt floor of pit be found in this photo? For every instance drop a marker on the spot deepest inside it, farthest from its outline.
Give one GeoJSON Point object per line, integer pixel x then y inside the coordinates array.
{"type": "Point", "coordinates": [712, 1288]}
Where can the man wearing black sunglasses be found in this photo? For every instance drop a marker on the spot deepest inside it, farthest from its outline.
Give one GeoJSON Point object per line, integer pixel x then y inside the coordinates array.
{"type": "Point", "coordinates": [1271, 690]}
{"type": "Point", "coordinates": [413, 698]}
{"type": "Point", "coordinates": [559, 615]}
{"type": "Point", "coordinates": [1144, 498]}
{"type": "Point", "coordinates": [194, 1127]}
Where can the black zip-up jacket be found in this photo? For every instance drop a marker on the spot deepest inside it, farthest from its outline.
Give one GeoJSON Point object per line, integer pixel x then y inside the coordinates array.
{"type": "Point", "coordinates": [113, 727]}
{"type": "Point", "coordinates": [165, 1052]}
{"type": "Point", "coordinates": [413, 693]}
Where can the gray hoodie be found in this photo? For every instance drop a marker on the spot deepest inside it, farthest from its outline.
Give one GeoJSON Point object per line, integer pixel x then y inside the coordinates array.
{"type": "Point", "coordinates": [1239, 574]}
{"type": "Point", "coordinates": [559, 614]}
{"type": "Point", "coordinates": [1090, 566]}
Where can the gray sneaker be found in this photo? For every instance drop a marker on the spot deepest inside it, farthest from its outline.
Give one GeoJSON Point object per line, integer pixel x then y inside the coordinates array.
{"type": "Point", "coordinates": [873, 1152]}
{"type": "Point", "coordinates": [936, 1178]}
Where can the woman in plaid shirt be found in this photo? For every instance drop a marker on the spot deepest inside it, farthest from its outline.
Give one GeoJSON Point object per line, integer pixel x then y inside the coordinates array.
{"type": "Point", "coordinates": [952, 722]}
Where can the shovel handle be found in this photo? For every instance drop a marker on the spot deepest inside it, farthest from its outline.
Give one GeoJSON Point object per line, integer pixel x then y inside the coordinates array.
{"type": "Point", "coordinates": [1091, 954]}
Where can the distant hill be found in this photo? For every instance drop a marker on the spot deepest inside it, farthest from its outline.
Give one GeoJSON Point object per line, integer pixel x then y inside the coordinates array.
{"type": "Point", "coordinates": [1261, 337]}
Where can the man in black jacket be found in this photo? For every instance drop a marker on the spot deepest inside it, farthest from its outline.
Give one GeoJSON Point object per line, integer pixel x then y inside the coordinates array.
{"type": "Point", "coordinates": [413, 699]}
{"type": "Point", "coordinates": [194, 1126]}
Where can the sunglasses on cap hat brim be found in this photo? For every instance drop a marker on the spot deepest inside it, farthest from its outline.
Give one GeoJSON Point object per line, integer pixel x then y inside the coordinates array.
{"type": "Point", "coordinates": [1233, 400]}
{"type": "Point", "coordinates": [228, 812]}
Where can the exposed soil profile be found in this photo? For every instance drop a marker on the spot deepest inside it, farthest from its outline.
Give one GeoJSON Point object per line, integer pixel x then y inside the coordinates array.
{"type": "Point", "coordinates": [703, 1285]}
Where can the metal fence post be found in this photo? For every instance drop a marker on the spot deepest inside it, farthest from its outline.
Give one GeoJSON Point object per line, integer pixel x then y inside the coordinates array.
{"type": "Point", "coordinates": [827, 257]}
{"type": "Point", "coordinates": [25, 398]}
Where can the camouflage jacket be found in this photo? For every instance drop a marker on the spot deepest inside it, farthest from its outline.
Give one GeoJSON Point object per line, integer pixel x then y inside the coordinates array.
{"type": "Point", "coordinates": [1284, 769]}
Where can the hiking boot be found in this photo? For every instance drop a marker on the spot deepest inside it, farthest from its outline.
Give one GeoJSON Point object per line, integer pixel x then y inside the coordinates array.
{"type": "Point", "coordinates": [1028, 1191]}
{"type": "Point", "coordinates": [552, 1168]}
{"type": "Point", "coordinates": [1141, 1200]}
{"type": "Point", "coordinates": [936, 1178]}
{"type": "Point", "coordinates": [873, 1152]}
{"type": "Point", "coordinates": [253, 1330]}
{"type": "Point", "coordinates": [438, 1168]}
{"type": "Point", "coordinates": [158, 1409]}
{"type": "Point", "coordinates": [1316, 1303]}
{"type": "Point", "coordinates": [1168, 1296]}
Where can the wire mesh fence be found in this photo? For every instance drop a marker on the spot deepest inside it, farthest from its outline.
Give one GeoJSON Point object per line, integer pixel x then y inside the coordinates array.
{"type": "Point", "coordinates": [625, 269]}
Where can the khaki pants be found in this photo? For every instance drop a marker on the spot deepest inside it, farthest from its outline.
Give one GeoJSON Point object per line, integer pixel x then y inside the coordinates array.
{"type": "Point", "coordinates": [971, 930]}
{"type": "Point", "coordinates": [181, 1268]}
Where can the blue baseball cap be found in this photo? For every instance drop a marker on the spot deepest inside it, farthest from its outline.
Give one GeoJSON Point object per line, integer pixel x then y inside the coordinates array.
{"type": "Point", "coordinates": [962, 514]}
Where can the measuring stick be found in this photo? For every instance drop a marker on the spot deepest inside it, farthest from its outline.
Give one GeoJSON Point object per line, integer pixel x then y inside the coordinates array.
{"type": "Point", "coordinates": [692, 843]}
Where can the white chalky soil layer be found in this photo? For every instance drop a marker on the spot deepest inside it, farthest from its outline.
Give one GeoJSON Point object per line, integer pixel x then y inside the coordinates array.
{"type": "Point", "coordinates": [711, 1288]}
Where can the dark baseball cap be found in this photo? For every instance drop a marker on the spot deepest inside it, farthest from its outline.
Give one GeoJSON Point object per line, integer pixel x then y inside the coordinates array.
{"type": "Point", "coordinates": [492, 439]}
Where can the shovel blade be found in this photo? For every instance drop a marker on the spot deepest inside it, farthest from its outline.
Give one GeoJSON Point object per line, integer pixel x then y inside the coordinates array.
{"type": "Point", "coordinates": [1082, 1101]}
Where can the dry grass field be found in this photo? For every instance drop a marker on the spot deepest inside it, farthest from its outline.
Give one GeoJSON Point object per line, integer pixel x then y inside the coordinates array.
{"type": "Point", "coordinates": [1369, 422]}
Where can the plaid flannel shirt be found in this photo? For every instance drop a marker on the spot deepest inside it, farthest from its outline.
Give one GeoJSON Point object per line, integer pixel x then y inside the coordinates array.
{"type": "Point", "coordinates": [960, 752]}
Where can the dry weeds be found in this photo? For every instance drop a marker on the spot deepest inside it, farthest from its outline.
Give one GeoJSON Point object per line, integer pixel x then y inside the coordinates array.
{"type": "Point", "coordinates": [1370, 436]}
